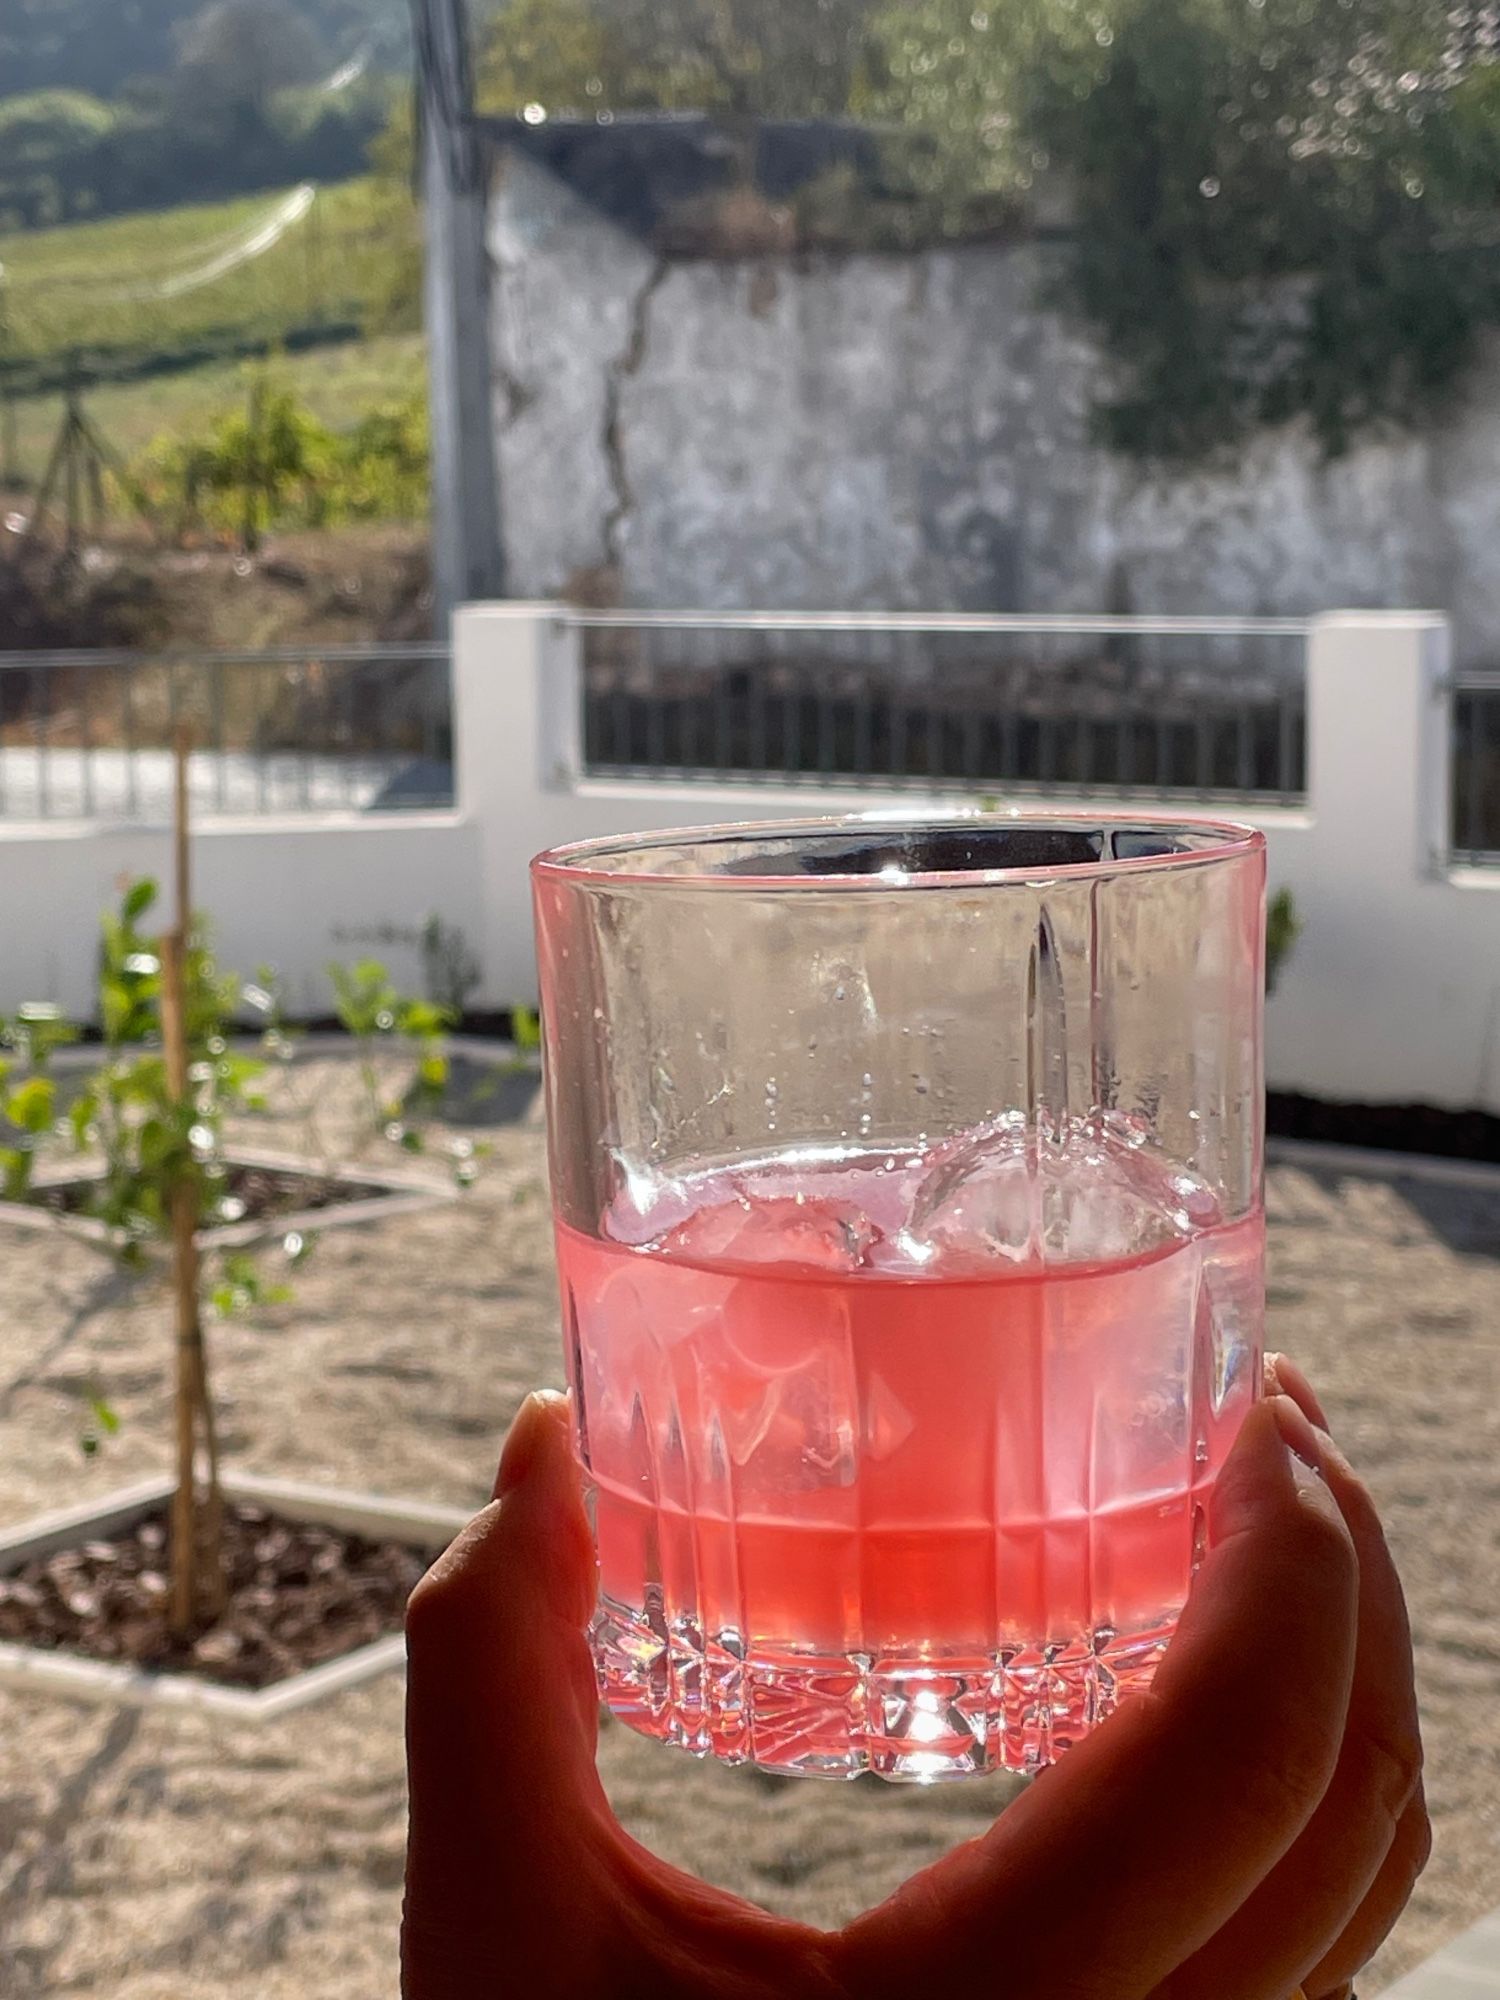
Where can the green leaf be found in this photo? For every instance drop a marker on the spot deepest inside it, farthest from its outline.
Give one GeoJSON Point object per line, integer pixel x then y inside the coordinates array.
{"type": "Point", "coordinates": [433, 1072]}
{"type": "Point", "coordinates": [104, 1415]}
{"type": "Point", "coordinates": [15, 1173]}
{"type": "Point", "coordinates": [420, 1018]}
{"type": "Point", "coordinates": [139, 898]}
{"type": "Point", "coordinates": [411, 1142]}
{"type": "Point", "coordinates": [29, 1106]}
{"type": "Point", "coordinates": [526, 1028]}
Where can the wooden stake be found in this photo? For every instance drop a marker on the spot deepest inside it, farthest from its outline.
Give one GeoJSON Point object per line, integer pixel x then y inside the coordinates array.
{"type": "Point", "coordinates": [198, 1584]}
{"type": "Point", "coordinates": [182, 750]}
{"type": "Point", "coordinates": [184, 1304]}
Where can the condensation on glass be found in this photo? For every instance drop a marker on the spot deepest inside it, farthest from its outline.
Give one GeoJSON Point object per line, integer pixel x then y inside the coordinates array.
{"type": "Point", "coordinates": [907, 1185]}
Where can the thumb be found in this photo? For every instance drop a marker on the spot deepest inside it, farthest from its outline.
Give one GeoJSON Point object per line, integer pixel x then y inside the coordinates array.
{"type": "Point", "coordinates": [501, 1706]}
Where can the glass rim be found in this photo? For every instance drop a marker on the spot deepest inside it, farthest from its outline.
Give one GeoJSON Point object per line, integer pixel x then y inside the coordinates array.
{"type": "Point", "coordinates": [578, 863]}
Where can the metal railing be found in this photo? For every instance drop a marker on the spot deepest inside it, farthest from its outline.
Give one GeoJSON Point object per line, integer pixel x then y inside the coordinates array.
{"type": "Point", "coordinates": [1475, 831]}
{"type": "Point", "coordinates": [1201, 708]}
{"type": "Point", "coordinates": [88, 735]}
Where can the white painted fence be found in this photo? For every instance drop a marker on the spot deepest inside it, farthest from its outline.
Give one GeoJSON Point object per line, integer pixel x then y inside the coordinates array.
{"type": "Point", "coordinates": [1393, 993]}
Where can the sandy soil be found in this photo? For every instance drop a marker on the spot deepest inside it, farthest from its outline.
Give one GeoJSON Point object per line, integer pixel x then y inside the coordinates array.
{"type": "Point", "coordinates": [139, 1851]}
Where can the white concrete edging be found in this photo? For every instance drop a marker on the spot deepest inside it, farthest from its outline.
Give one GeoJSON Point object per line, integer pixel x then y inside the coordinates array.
{"type": "Point", "coordinates": [32, 1670]}
{"type": "Point", "coordinates": [401, 1194]}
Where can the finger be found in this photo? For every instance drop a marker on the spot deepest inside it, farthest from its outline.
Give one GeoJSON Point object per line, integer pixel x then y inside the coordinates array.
{"type": "Point", "coordinates": [502, 1711]}
{"type": "Point", "coordinates": [519, 1878]}
{"type": "Point", "coordinates": [1308, 1901]}
{"type": "Point", "coordinates": [1376, 1917]}
{"type": "Point", "coordinates": [1126, 1857]}
{"type": "Point", "coordinates": [1285, 1378]}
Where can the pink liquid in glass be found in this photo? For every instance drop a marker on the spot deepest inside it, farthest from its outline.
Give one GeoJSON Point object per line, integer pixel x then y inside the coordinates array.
{"type": "Point", "coordinates": [901, 1461]}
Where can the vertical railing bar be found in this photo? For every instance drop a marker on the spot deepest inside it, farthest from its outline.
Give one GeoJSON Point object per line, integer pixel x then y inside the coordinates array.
{"type": "Point", "coordinates": [898, 647]}
{"type": "Point", "coordinates": [757, 746]}
{"type": "Point", "coordinates": [723, 711]}
{"type": "Point", "coordinates": [825, 697]}
{"type": "Point", "coordinates": [1009, 677]}
{"type": "Point", "coordinates": [705, 685]}
{"type": "Point", "coordinates": [262, 750]}
{"type": "Point", "coordinates": [791, 710]}
{"type": "Point", "coordinates": [1479, 741]}
{"type": "Point", "coordinates": [619, 708]}
{"type": "Point", "coordinates": [346, 746]}
{"type": "Point", "coordinates": [217, 670]}
{"type": "Point", "coordinates": [86, 742]}
{"type": "Point", "coordinates": [1203, 747]}
{"type": "Point", "coordinates": [864, 709]}
{"type": "Point", "coordinates": [302, 760]}
{"type": "Point", "coordinates": [127, 731]}
{"type": "Point", "coordinates": [1047, 765]}
{"type": "Point", "coordinates": [656, 742]}
{"type": "Point", "coordinates": [41, 721]}
{"type": "Point", "coordinates": [1163, 737]}
{"type": "Point", "coordinates": [972, 726]}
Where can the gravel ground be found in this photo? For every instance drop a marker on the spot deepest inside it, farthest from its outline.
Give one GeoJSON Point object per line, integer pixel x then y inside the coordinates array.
{"type": "Point", "coordinates": [142, 1850]}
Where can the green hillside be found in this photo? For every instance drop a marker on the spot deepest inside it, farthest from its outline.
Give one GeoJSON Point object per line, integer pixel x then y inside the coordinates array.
{"type": "Point", "coordinates": [143, 294]}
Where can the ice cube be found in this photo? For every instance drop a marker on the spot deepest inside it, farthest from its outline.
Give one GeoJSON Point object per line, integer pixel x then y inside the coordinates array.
{"type": "Point", "coordinates": [975, 1199]}
{"type": "Point", "coordinates": [1080, 1195]}
{"type": "Point", "coordinates": [784, 1230]}
{"type": "Point", "coordinates": [783, 1380]}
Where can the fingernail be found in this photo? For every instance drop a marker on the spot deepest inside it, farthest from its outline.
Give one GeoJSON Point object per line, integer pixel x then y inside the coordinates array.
{"type": "Point", "coordinates": [543, 1412]}
{"type": "Point", "coordinates": [1298, 1435]}
{"type": "Point", "coordinates": [1285, 1378]}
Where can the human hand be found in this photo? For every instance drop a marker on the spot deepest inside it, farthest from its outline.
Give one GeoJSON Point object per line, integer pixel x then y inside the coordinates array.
{"type": "Point", "coordinates": [1254, 1821]}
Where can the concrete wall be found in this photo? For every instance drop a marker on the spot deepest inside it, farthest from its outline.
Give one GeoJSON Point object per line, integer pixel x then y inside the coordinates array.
{"type": "Point", "coordinates": [293, 893]}
{"type": "Point", "coordinates": [1393, 993]}
{"type": "Point", "coordinates": [842, 431]}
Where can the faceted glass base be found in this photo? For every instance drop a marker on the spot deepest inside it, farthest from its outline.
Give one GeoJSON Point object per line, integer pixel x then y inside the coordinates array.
{"type": "Point", "coordinates": [908, 1720]}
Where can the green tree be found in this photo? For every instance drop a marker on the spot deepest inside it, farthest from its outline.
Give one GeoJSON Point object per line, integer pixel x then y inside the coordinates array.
{"type": "Point", "coordinates": [767, 58]}
{"type": "Point", "coordinates": [239, 53]}
{"type": "Point", "coordinates": [1282, 209]}
{"type": "Point", "coordinates": [47, 138]}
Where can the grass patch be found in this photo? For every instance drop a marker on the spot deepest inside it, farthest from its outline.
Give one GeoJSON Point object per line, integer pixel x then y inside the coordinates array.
{"type": "Point", "coordinates": [119, 293]}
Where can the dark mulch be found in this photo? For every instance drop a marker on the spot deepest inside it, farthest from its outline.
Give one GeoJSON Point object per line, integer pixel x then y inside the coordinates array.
{"type": "Point", "coordinates": [267, 1193]}
{"type": "Point", "coordinates": [299, 1595]}
{"type": "Point", "coordinates": [1399, 1128]}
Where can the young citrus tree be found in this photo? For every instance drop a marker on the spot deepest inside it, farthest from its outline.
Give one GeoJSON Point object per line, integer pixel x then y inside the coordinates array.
{"type": "Point", "coordinates": [150, 1118]}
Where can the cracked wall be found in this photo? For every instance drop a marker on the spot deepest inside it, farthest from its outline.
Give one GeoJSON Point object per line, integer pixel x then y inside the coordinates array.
{"type": "Point", "coordinates": [892, 432]}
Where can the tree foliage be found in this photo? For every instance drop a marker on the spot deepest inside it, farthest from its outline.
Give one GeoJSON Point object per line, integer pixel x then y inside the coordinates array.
{"type": "Point", "coordinates": [1282, 210]}
{"type": "Point", "coordinates": [103, 45]}
{"type": "Point", "coordinates": [269, 462]}
{"type": "Point", "coordinates": [764, 58]}
{"type": "Point", "coordinates": [241, 52]}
